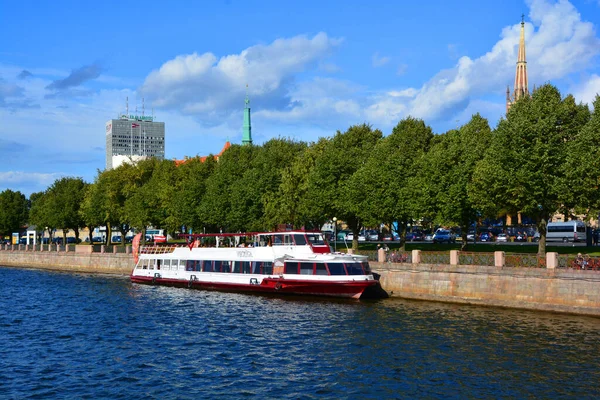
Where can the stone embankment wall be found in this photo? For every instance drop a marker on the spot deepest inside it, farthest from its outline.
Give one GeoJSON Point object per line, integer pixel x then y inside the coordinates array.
{"type": "Point", "coordinates": [79, 261]}
{"type": "Point", "coordinates": [559, 290]}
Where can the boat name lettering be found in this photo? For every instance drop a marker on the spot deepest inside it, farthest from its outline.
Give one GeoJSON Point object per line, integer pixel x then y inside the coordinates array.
{"type": "Point", "coordinates": [244, 253]}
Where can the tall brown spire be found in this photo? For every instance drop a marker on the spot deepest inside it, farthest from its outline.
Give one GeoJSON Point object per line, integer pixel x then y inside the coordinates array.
{"type": "Point", "coordinates": [521, 84]}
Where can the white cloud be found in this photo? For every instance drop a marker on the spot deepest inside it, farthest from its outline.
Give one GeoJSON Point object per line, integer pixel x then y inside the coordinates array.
{"type": "Point", "coordinates": [379, 61]}
{"type": "Point", "coordinates": [402, 68]}
{"type": "Point", "coordinates": [215, 87]}
{"type": "Point", "coordinates": [586, 91]}
{"type": "Point", "coordinates": [561, 44]}
{"type": "Point", "coordinates": [28, 181]}
{"type": "Point", "coordinates": [410, 92]}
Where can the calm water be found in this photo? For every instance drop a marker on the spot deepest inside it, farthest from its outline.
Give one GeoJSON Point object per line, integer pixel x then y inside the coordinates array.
{"type": "Point", "coordinates": [93, 336]}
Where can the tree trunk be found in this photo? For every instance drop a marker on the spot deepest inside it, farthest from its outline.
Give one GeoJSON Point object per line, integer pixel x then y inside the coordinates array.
{"type": "Point", "coordinates": [541, 226]}
{"type": "Point", "coordinates": [108, 234]}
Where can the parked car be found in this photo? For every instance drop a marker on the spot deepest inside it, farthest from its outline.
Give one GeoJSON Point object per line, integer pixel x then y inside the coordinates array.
{"type": "Point", "coordinates": [116, 239]}
{"type": "Point", "coordinates": [486, 237]}
{"type": "Point", "coordinates": [160, 239]}
{"type": "Point", "coordinates": [429, 237]}
{"type": "Point", "coordinates": [97, 239]}
{"type": "Point", "coordinates": [471, 236]}
{"type": "Point", "coordinates": [388, 237]}
{"type": "Point", "coordinates": [502, 237]}
{"type": "Point", "coordinates": [418, 236]}
{"type": "Point", "coordinates": [341, 235]}
{"type": "Point", "coordinates": [444, 236]}
{"type": "Point", "coordinates": [73, 240]}
{"type": "Point", "coordinates": [521, 237]}
{"type": "Point", "coordinates": [57, 240]}
{"type": "Point", "coordinates": [371, 235]}
{"type": "Point", "coordinates": [23, 240]}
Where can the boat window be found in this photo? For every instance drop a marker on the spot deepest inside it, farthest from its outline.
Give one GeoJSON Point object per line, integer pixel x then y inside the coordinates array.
{"type": "Point", "coordinates": [366, 267]}
{"type": "Point", "coordinates": [181, 264]}
{"type": "Point", "coordinates": [256, 267]}
{"type": "Point", "coordinates": [225, 266]}
{"type": "Point", "coordinates": [246, 267]}
{"type": "Point", "coordinates": [287, 239]}
{"type": "Point", "coordinates": [315, 239]}
{"type": "Point", "coordinates": [152, 264]}
{"type": "Point", "coordinates": [217, 265]}
{"type": "Point", "coordinates": [207, 266]}
{"type": "Point", "coordinates": [277, 240]}
{"type": "Point", "coordinates": [291, 268]}
{"type": "Point", "coordinates": [321, 270]}
{"type": "Point", "coordinates": [336, 269]}
{"type": "Point", "coordinates": [189, 266]}
{"type": "Point", "coordinates": [267, 268]}
{"type": "Point", "coordinates": [198, 265]}
{"type": "Point", "coordinates": [300, 240]}
{"type": "Point", "coordinates": [354, 269]}
{"type": "Point", "coordinates": [144, 264]}
{"type": "Point", "coordinates": [167, 265]}
{"type": "Point", "coordinates": [237, 267]}
{"type": "Point", "coordinates": [306, 268]}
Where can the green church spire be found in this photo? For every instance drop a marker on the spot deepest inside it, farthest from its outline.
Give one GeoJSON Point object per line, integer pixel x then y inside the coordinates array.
{"type": "Point", "coordinates": [247, 130]}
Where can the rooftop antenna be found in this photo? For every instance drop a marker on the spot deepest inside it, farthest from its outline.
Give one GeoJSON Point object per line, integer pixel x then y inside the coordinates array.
{"type": "Point", "coordinates": [143, 107]}
{"type": "Point", "coordinates": [127, 105]}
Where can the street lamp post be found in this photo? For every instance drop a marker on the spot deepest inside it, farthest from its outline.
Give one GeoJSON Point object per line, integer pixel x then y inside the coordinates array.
{"type": "Point", "coordinates": [334, 234]}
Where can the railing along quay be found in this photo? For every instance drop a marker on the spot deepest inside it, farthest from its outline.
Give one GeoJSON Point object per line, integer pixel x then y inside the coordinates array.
{"type": "Point", "coordinates": [495, 259]}
{"type": "Point", "coordinates": [69, 248]}
{"type": "Point", "coordinates": [452, 257]}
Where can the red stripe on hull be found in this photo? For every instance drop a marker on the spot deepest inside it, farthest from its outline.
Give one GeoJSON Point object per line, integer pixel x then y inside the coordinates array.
{"type": "Point", "coordinates": [348, 289]}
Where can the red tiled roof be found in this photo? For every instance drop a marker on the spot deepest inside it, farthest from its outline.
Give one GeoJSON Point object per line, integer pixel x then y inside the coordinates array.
{"type": "Point", "coordinates": [202, 159]}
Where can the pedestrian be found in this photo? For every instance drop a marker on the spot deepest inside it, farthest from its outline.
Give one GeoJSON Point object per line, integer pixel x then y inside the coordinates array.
{"type": "Point", "coordinates": [595, 234]}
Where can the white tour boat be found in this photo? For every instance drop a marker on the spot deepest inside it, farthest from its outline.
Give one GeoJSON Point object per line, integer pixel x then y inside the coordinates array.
{"type": "Point", "coordinates": [296, 262]}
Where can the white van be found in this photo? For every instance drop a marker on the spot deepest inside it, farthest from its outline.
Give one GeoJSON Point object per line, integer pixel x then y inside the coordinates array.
{"type": "Point", "coordinates": [570, 231]}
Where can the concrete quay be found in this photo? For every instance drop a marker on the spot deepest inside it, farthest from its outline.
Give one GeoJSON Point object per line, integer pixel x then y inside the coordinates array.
{"type": "Point", "coordinates": [546, 289]}
{"type": "Point", "coordinates": [78, 259]}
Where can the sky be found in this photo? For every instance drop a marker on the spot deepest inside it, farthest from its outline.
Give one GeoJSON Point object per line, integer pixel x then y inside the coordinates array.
{"type": "Point", "coordinates": [311, 68]}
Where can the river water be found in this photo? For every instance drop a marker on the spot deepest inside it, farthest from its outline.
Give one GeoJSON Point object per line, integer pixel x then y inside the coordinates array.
{"type": "Point", "coordinates": [69, 335]}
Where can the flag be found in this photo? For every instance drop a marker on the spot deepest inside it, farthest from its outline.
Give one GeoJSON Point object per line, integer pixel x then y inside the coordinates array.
{"type": "Point", "coordinates": [134, 125]}
{"type": "Point", "coordinates": [136, 247]}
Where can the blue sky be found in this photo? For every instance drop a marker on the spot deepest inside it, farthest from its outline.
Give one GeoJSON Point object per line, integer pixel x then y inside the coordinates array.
{"type": "Point", "coordinates": [312, 68]}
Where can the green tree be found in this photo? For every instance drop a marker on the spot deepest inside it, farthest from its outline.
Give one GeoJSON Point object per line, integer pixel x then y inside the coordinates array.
{"type": "Point", "coordinates": [450, 166]}
{"type": "Point", "coordinates": [260, 181]}
{"type": "Point", "coordinates": [581, 189]}
{"type": "Point", "coordinates": [187, 191]}
{"type": "Point", "coordinates": [330, 182]}
{"type": "Point", "coordinates": [523, 169]}
{"type": "Point", "coordinates": [216, 205]}
{"type": "Point", "coordinates": [291, 202]}
{"type": "Point", "coordinates": [92, 208]}
{"type": "Point", "coordinates": [63, 200]}
{"type": "Point", "coordinates": [40, 215]}
{"type": "Point", "coordinates": [383, 190]}
{"type": "Point", "coordinates": [14, 210]}
{"type": "Point", "coordinates": [148, 189]}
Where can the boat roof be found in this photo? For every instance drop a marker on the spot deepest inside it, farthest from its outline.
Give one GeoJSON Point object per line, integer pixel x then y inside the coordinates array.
{"type": "Point", "coordinates": [242, 234]}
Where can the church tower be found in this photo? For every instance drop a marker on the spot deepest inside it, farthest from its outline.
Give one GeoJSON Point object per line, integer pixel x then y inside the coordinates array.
{"type": "Point", "coordinates": [521, 84]}
{"type": "Point", "coordinates": [247, 129]}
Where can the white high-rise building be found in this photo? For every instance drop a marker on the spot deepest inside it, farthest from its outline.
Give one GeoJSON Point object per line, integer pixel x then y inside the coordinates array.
{"type": "Point", "coordinates": [132, 138]}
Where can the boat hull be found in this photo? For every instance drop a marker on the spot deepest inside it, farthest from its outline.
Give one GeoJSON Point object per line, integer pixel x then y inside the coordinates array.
{"type": "Point", "coordinates": [343, 289]}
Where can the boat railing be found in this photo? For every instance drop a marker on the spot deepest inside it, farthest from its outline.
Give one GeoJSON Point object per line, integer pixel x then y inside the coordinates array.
{"type": "Point", "coordinates": [156, 249]}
